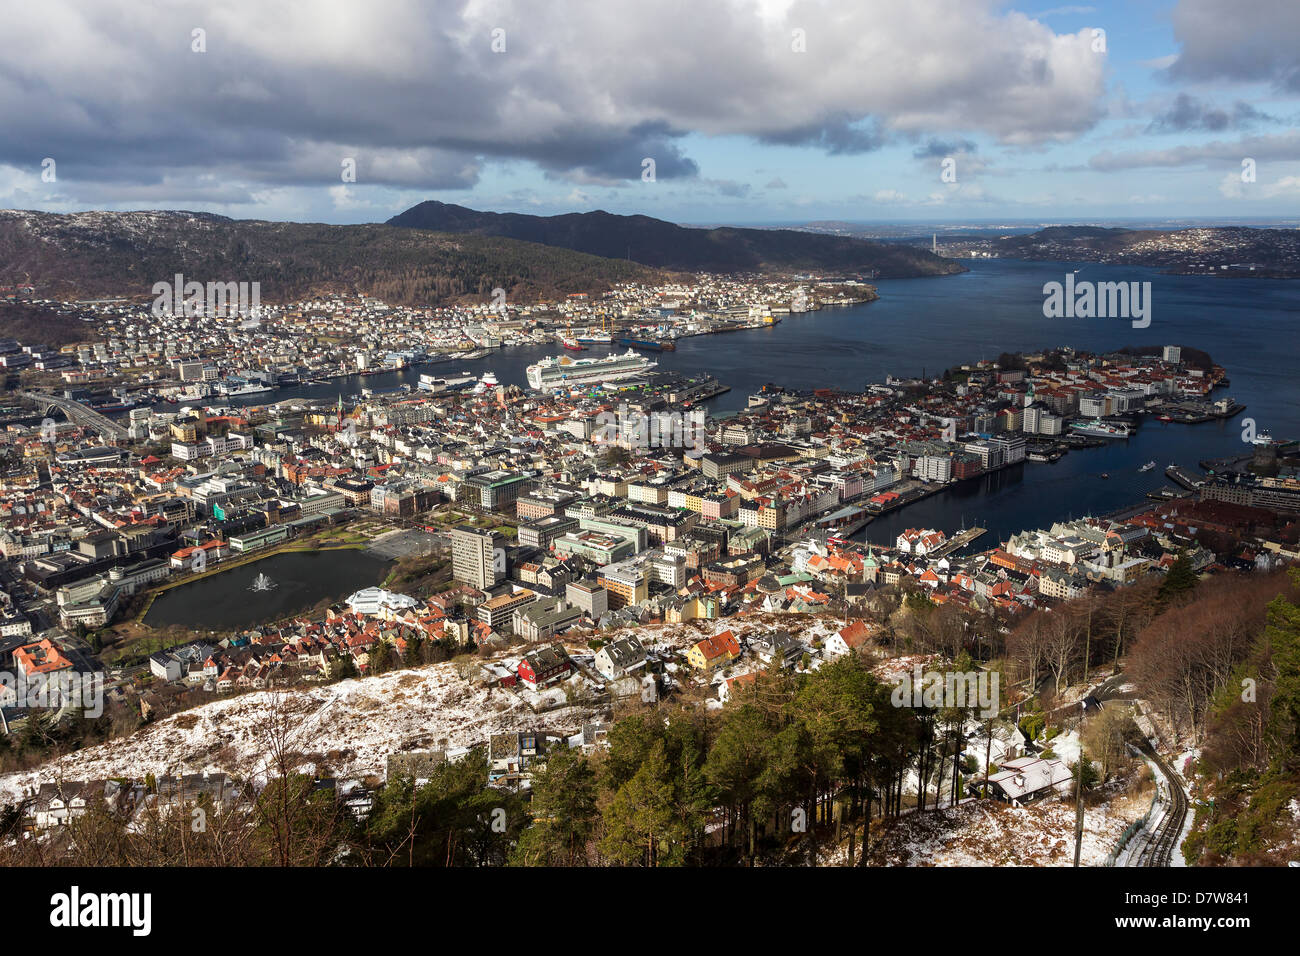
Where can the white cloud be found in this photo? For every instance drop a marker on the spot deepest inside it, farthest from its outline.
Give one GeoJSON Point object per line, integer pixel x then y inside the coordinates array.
{"type": "Point", "coordinates": [1281, 147]}
{"type": "Point", "coordinates": [584, 90]}
{"type": "Point", "coordinates": [1285, 187]}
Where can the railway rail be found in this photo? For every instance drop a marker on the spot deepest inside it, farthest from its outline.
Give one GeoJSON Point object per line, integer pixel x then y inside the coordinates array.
{"type": "Point", "coordinates": [1163, 841]}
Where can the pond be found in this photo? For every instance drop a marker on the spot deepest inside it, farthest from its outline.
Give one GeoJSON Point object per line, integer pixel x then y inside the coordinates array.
{"type": "Point", "coordinates": [301, 579]}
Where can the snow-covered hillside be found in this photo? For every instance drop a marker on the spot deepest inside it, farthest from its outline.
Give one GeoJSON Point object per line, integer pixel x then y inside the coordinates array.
{"type": "Point", "coordinates": [346, 729]}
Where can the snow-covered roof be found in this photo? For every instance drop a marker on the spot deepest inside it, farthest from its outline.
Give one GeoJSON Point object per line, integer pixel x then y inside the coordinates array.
{"type": "Point", "coordinates": [1027, 775]}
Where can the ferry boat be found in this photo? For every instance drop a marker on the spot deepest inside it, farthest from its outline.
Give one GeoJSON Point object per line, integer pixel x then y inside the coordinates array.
{"type": "Point", "coordinates": [653, 345]}
{"type": "Point", "coordinates": [1148, 466]}
{"type": "Point", "coordinates": [246, 390]}
{"type": "Point", "coordinates": [488, 383]}
{"type": "Point", "coordinates": [596, 338]}
{"type": "Point", "coordinates": [193, 393]}
{"type": "Point", "coordinates": [1099, 429]}
{"type": "Point", "coordinates": [445, 383]}
{"type": "Point", "coordinates": [109, 405]}
{"type": "Point", "coordinates": [561, 370]}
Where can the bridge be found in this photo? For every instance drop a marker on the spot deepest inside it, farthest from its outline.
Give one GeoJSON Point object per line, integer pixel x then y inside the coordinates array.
{"type": "Point", "coordinates": [78, 413]}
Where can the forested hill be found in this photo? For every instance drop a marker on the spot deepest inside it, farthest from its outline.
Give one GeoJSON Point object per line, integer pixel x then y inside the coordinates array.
{"type": "Point", "coordinates": [666, 245]}
{"type": "Point", "coordinates": [110, 254]}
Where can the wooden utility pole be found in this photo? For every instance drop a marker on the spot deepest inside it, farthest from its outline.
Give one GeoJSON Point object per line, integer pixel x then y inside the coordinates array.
{"type": "Point", "coordinates": [988, 753]}
{"type": "Point", "coordinates": [1078, 791]}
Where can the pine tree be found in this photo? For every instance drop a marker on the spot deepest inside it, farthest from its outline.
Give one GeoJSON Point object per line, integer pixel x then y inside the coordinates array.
{"type": "Point", "coordinates": [1180, 579]}
{"type": "Point", "coordinates": [1283, 638]}
{"type": "Point", "coordinates": [640, 822]}
{"type": "Point", "coordinates": [564, 813]}
{"type": "Point", "coordinates": [735, 765]}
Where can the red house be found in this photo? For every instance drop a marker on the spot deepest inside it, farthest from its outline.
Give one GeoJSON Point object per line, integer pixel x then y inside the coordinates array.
{"type": "Point", "coordinates": [544, 665]}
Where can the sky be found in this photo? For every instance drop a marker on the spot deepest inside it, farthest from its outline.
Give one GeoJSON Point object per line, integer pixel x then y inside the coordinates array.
{"type": "Point", "coordinates": [696, 111]}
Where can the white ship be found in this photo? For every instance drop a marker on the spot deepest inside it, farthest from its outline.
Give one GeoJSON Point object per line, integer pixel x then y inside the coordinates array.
{"type": "Point", "coordinates": [247, 390]}
{"type": "Point", "coordinates": [1099, 429]}
{"type": "Point", "coordinates": [1148, 466]}
{"type": "Point", "coordinates": [191, 393]}
{"type": "Point", "coordinates": [488, 383]}
{"type": "Point", "coordinates": [445, 383]}
{"type": "Point", "coordinates": [561, 370]}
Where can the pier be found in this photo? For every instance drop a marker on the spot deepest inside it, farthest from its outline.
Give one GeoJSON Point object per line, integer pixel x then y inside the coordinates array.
{"type": "Point", "coordinates": [1181, 476]}
{"type": "Point", "coordinates": [959, 542]}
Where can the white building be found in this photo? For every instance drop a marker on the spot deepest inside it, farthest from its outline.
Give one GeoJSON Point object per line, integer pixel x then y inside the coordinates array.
{"type": "Point", "coordinates": [377, 601]}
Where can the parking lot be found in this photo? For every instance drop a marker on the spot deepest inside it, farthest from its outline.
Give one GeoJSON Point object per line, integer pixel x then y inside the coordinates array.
{"type": "Point", "coordinates": [404, 544]}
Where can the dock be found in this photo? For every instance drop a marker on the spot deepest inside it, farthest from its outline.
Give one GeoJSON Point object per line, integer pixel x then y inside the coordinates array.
{"type": "Point", "coordinates": [959, 542]}
{"type": "Point", "coordinates": [1181, 476]}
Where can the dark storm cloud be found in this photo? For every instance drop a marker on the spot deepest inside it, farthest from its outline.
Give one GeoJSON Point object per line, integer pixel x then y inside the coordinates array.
{"type": "Point", "coordinates": [838, 136]}
{"type": "Point", "coordinates": [1188, 113]}
{"type": "Point", "coordinates": [604, 156]}
{"type": "Point", "coordinates": [937, 149]}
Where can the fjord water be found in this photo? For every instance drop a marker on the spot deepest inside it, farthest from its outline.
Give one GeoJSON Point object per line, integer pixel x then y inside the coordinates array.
{"type": "Point", "coordinates": [1249, 326]}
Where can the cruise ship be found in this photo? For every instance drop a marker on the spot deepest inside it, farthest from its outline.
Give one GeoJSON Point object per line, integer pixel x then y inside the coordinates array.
{"type": "Point", "coordinates": [1099, 429]}
{"type": "Point", "coordinates": [563, 370]}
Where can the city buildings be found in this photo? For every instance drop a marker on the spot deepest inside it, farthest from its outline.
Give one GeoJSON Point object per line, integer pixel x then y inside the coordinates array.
{"type": "Point", "coordinates": [478, 557]}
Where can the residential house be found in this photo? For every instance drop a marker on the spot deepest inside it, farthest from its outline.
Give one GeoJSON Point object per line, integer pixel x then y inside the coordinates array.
{"type": "Point", "coordinates": [544, 665]}
{"type": "Point", "coordinates": [713, 652]}
{"type": "Point", "coordinates": [616, 658]}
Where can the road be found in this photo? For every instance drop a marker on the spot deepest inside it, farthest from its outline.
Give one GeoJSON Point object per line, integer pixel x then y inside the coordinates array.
{"type": "Point", "coordinates": [79, 413]}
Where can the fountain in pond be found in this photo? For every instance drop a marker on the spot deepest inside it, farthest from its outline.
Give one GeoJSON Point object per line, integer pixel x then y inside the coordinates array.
{"type": "Point", "coordinates": [261, 583]}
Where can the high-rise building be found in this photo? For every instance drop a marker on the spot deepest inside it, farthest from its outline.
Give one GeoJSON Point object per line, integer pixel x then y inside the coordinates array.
{"type": "Point", "coordinates": [478, 558]}
{"type": "Point", "coordinates": [1012, 447]}
{"type": "Point", "coordinates": [494, 490]}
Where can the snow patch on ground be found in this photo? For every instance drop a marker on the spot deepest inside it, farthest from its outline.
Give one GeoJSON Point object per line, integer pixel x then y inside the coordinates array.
{"type": "Point", "coordinates": [346, 729]}
{"type": "Point", "coordinates": [989, 833]}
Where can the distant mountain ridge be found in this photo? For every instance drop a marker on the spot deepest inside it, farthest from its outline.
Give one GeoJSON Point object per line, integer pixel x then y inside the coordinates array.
{"type": "Point", "coordinates": [122, 254]}
{"type": "Point", "coordinates": [665, 245]}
